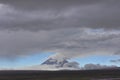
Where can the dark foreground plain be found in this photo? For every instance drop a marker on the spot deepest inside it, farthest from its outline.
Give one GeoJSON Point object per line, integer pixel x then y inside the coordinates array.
{"type": "Point", "coordinates": [106, 74]}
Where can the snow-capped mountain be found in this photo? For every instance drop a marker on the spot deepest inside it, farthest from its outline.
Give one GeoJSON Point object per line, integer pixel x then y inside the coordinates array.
{"type": "Point", "coordinates": [54, 64]}
{"type": "Point", "coordinates": [64, 64]}
{"type": "Point", "coordinates": [61, 64]}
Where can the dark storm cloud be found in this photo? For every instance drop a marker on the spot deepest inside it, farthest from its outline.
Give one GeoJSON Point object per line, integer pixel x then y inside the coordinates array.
{"type": "Point", "coordinates": [55, 14]}
{"type": "Point", "coordinates": [69, 28]}
{"type": "Point", "coordinates": [43, 4]}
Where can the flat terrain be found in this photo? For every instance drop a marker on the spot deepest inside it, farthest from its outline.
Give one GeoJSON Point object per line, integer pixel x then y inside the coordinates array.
{"type": "Point", "coordinates": [111, 74]}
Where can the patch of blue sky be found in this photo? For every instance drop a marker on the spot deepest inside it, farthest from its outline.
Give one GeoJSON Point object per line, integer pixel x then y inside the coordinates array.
{"type": "Point", "coordinates": [97, 59]}
{"type": "Point", "coordinates": [35, 59]}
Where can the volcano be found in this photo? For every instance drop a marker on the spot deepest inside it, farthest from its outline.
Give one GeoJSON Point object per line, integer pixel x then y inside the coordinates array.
{"type": "Point", "coordinates": [55, 64]}
{"type": "Point", "coordinates": [61, 64]}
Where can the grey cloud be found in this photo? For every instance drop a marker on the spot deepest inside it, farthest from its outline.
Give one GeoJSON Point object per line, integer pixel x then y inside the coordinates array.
{"type": "Point", "coordinates": [68, 43]}
{"type": "Point", "coordinates": [97, 66]}
{"type": "Point", "coordinates": [69, 28]}
{"type": "Point", "coordinates": [112, 60]}
{"type": "Point", "coordinates": [36, 4]}
{"type": "Point", "coordinates": [72, 65]}
{"type": "Point", "coordinates": [42, 15]}
{"type": "Point", "coordinates": [83, 43]}
{"type": "Point", "coordinates": [115, 61]}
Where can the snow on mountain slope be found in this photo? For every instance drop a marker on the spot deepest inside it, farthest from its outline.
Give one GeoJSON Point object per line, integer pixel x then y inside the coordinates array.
{"type": "Point", "coordinates": [61, 64]}
{"type": "Point", "coordinates": [54, 64]}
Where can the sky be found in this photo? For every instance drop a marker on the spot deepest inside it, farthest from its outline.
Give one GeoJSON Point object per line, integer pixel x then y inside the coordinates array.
{"type": "Point", "coordinates": [85, 31]}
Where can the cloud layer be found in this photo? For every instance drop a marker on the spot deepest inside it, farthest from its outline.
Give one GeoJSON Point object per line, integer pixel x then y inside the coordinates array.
{"type": "Point", "coordinates": [47, 15]}
{"type": "Point", "coordinates": [71, 28]}
{"type": "Point", "coordinates": [65, 42]}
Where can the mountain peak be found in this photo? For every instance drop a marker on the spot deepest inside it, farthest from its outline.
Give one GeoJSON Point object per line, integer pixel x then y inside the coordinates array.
{"type": "Point", "coordinates": [58, 63]}
{"type": "Point", "coordinates": [62, 63]}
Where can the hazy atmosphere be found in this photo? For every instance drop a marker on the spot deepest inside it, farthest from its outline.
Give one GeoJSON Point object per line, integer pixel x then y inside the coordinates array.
{"type": "Point", "coordinates": [59, 34]}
